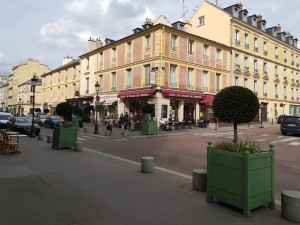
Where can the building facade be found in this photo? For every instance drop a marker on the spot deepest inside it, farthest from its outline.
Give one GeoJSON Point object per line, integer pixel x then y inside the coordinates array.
{"type": "Point", "coordinates": [160, 64]}
{"type": "Point", "coordinates": [265, 60]}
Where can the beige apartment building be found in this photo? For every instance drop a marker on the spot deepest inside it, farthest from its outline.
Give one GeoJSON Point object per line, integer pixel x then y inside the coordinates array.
{"type": "Point", "coordinates": [61, 84]}
{"type": "Point", "coordinates": [160, 64]}
{"type": "Point", "coordinates": [20, 96]}
{"type": "Point", "coordinates": [265, 60]}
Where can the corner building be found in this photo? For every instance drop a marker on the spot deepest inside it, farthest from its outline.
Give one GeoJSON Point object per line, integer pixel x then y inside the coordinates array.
{"type": "Point", "coordinates": [160, 64]}
{"type": "Point", "coordinates": [265, 60]}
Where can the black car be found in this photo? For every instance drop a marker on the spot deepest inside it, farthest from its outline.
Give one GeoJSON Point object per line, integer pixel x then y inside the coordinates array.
{"type": "Point", "coordinates": [290, 124]}
{"type": "Point", "coordinates": [52, 121]}
{"type": "Point", "coordinates": [40, 119]}
{"type": "Point", "coordinates": [279, 118]}
{"type": "Point", "coordinates": [22, 125]}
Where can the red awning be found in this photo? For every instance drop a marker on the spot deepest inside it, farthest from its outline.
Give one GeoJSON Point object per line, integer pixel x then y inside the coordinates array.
{"type": "Point", "coordinates": [136, 94]}
{"type": "Point", "coordinates": [208, 100]}
{"type": "Point", "coordinates": [181, 94]}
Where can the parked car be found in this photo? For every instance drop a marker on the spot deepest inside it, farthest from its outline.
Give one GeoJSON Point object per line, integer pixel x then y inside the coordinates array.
{"type": "Point", "coordinates": [40, 119]}
{"type": "Point", "coordinates": [52, 121]}
{"type": "Point", "coordinates": [4, 117]}
{"type": "Point", "coordinates": [279, 118]}
{"type": "Point", "coordinates": [290, 124]}
{"type": "Point", "coordinates": [22, 125]}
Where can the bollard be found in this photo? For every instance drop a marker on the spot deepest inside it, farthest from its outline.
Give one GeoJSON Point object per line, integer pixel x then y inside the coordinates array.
{"type": "Point", "coordinates": [290, 205]}
{"type": "Point", "coordinates": [86, 130]}
{"type": "Point", "coordinates": [40, 136]}
{"type": "Point", "coordinates": [200, 180]}
{"type": "Point", "coordinates": [49, 138]}
{"type": "Point", "coordinates": [78, 146]}
{"type": "Point", "coordinates": [147, 164]}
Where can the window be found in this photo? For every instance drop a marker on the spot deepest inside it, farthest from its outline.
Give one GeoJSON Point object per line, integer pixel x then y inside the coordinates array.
{"type": "Point", "coordinates": [236, 81]}
{"type": "Point", "coordinates": [114, 54]}
{"type": "Point", "coordinates": [284, 56]}
{"type": "Point", "coordinates": [218, 55]}
{"type": "Point", "coordinates": [205, 52]}
{"type": "Point", "coordinates": [101, 58]}
{"type": "Point", "coordinates": [276, 53]}
{"type": "Point", "coordinates": [265, 89]}
{"type": "Point", "coordinates": [265, 48]}
{"type": "Point", "coordinates": [87, 63]}
{"type": "Point", "coordinates": [173, 42]}
{"type": "Point", "coordinates": [265, 68]}
{"type": "Point", "coordinates": [276, 71]}
{"type": "Point", "coordinates": [255, 66]}
{"type": "Point", "coordinates": [147, 75]}
{"type": "Point", "coordinates": [255, 45]}
{"type": "Point", "coordinates": [87, 85]}
{"type": "Point", "coordinates": [255, 87]}
{"type": "Point", "coordinates": [246, 41]}
{"type": "Point", "coordinates": [218, 77]}
{"type": "Point", "coordinates": [204, 80]}
{"type": "Point", "coordinates": [292, 91]}
{"type": "Point", "coordinates": [297, 94]}
{"type": "Point", "coordinates": [101, 82]}
{"type": "Point", "coordinates": [173, 76]}
{"type": "Point", "coordinates": [113, 81]}
{"type": "Point", "coordinates": [297, 76]}
{"type": "Point", "coordinates": [190, 47]}
{"type": "Point", "coordinates": [129, 49]}
{"type": "Point", "coordinates": [284, 73]}
{"type": "Point", "coordinates": [245, 82]}
{"type": "Point", "coordinates": [190, 78]}
{"type": "Point", "coordinates": [293, 76]}
{"type": "Point", "coordinates": [284, 92]}
{"type": "Point", "coordinates": [246, 63]}
{"type": "Point", "coordinates": [237, 61]}
{"type": "Point", "coordinates": [237, 38]}
{"type": "Point", "coordinates": [201, 20]}
{"type": "Point", "coordinates": [128, 85]}
{"type": "Point", "coordinates": [148, 43]}
{"type": "Point", "coordinates": [276, 91]}
{"type": "Point", "coordinates": [297, 61]}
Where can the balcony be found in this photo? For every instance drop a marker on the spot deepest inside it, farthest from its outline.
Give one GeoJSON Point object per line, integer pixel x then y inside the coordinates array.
{"type": "Point", "coordinates": [265, 94]}
{"type": "Point", "coordinates": [285, 60]}
{"type": "Point", "coordinates": [276, 95]}
{"type": "Point", "coordinates": [285, 97]}
{"type": "Point", "coordinates": [246, 68]}
{"type": "Point", "coordinates": [297, 98]}
{"type": "Point", "coordinates": [237, 42]}
{"type": "Point", "coordinates": [293, 63]}
{"type": "Point", "coordinates": [204, 88]}
{"type": "Point", "coordinates": [113, 88]}
{"type": "Point", "coordinates": [205, 57]}
{"type": "Point", "coordinates": [256, 70]}
{"type": "Point", "coordinates": [297, 64]}
{"type": "Point", "coordinates": [147, 84]}
{"type": "Point", "coordinates": [128, 86]}
{"type": "Point", "coordinates": [246, 46]}
{"type": "Point", "coordinates": [189, 86]}
{"type": "Point", "coordinates": [255, 49]}
{"type": "Point", "coordinates": [113, 59]}
{"type": "Point", "coordinates": [276, 56]}
{"type": "Point", "coordinates": [174, 48]}
{"type": "Point", "coordinates": [237, 66]}
{"type": "Point", "coordinates": [173, 84]}
{"type": "Point", "coordinates": [129, 55]}
{"type": "Point", "coordinates": [293, 98]}
{"type": "Point", "coordinates": [218, 61]}
{"type": "Point", "coordinates": [265, 52]}
{"type": "Point", "coordinates": [147, 49]}
{"type": "Point", "coordinates": [276, 74]}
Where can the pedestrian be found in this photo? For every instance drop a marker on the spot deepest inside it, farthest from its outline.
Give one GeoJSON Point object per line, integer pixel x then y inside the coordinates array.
{"type": "Point", "coordinates": [109, 128]}
{"type": "Point", "coordinates": [123, 122]}
{"type": "Point", "coordinates": [132, 124]}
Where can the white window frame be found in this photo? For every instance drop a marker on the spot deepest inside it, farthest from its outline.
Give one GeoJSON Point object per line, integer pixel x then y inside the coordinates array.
{"type": "Point", "coordinates": [190, 47]}
{"type": "Point", "coordinates": [173, 70]}
{"type": "Point", "coordinates": [147, 74]}
{"type": "Point", "coordinates": [148, 42]}
{"type": "Point", "coordinates": [255, 86]}
{"type": "Point", "coordinates": [205, 51]}
{"type": "Point", "coordinates": [113, 80]}
{"type": "Point", "coordinates": [204, 81]}
{"type": "Point", "coordinates": [190, 78]}
{"type": "Point", "coordinates": [201, 20]}
{"type": "Point", "coordinates": [174, 42]}
{"type": "Point", "coordinates": [246, 82]}
{"type": "Point", "coordinates": [129, 77]}
{"type": "Point", "coordinates": [236, 81]}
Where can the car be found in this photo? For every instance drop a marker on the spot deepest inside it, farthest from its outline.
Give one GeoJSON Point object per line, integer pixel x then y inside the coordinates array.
{"type": "Point", "coordinates": [40, 119]}
{"type": "Point", "coordinates": [279, 118]}
{"type": "Point", "coordinates": [290, 125]}
{"type": "Point", "coordinates": [52, 121]}
{"type": "Point", "coordinates": [4, 117]}
{"type": "Point", "coordinates": [22, 125]}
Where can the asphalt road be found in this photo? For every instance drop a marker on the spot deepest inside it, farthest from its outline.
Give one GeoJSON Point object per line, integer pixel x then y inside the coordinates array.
{"type": "Point", "coordinates": [183, 153]}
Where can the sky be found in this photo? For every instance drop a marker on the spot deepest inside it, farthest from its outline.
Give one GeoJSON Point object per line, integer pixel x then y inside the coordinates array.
{"type": "Point", "coordinates": [50, 30]}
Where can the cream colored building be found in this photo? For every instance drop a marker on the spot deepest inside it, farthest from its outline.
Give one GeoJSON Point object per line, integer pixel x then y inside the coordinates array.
{"type": "Point", "coordinates": [265, 60]}
{"type": "Point", "coordinates": [60, 84]}
{"type": "Point", "coordinates": [20, 75]}
{"type": "Point", "coordinates": [3, 93]}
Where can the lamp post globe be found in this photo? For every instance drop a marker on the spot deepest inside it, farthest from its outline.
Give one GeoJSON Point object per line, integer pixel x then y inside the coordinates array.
{"type": "Point", "coordinates": [97, 85]}
{"type": "Point", "coordinates": [34, 80]}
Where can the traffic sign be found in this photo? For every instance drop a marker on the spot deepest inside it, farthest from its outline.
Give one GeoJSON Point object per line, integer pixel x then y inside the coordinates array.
{"type": "Point", "coordinates": [97, 97]}
{"type": "Point", "coordinates": [97, 102]}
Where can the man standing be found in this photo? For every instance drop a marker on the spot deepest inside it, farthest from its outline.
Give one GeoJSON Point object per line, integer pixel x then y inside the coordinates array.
{"type": "Point", "coordinates": [123, 121]}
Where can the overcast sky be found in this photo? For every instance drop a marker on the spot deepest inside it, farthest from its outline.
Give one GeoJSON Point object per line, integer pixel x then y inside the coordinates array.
{"type": "Point", "coordinates": [49, 30]}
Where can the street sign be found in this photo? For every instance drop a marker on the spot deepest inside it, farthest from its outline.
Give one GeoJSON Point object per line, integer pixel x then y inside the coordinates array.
{"type": "Point", "coordinates": [97, 97]}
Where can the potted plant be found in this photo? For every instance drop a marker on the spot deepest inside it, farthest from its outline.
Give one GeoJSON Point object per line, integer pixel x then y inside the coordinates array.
{"type": "Point", "coordinates": [64, 136]}
{"type": "Point", "coordinates": [148, 125]}
{"type": "Point", "coordinates": [239, 173]}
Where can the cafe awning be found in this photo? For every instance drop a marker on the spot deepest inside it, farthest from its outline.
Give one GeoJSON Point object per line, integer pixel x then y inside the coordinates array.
{"type": "Point", "coordinates": [208, 100]}
{"type": "Point", "coordinates": [182, 94]}
{"type": "Point", "coordinates": [136, 94]}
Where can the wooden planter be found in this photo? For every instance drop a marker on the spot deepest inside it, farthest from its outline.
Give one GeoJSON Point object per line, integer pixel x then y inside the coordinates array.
{"type": "Point", "coordinates": [149, 127]}
{"type": "Point", "coordinates": [243, 180]}
{"type": "Point", "coordinates": [64, 137]}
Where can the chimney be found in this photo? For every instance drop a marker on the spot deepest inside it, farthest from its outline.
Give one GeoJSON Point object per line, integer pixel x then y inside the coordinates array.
{"type": "Point", "coordinates": [278, 28]}
{"type": "Point", "coordinates": [98, 43]}
{"type": "Point", "coordinates": [147, 24]}
{"type": "Point", "coordinates": [67, 59]}
{"type": "Point", "coordinates": [92, 44]}
{"type": "Point", "coordinates": [240, 6]}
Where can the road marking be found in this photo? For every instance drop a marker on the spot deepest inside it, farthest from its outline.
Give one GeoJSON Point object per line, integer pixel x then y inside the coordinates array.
{"type": "Point", "coordinates": [294, 143]}
{"type": "Point", "coordinates": [261, 140]}
{"type": "Point", "coordinates": [83, 139]}
{"type": "Point", "coordinates": [285, 140]}
{"type": "Point", "coordinates": [263, 135]}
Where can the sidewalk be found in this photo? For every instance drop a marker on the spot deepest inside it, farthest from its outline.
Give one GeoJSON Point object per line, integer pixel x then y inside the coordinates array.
{"type": "Point", "coordinates": [42, 186]}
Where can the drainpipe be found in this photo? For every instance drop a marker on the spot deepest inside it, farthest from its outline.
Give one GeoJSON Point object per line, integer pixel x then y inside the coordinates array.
{"type": "Point", "coordinates": [161, 46]}
{"type": "Point", "coordinates": [230, 53]}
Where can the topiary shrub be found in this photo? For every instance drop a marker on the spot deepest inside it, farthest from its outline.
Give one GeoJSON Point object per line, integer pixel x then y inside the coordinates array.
{"type": "Point", "coordinates": [148, 109]}
{"type": "Point", "coordinates": [46, 111]}
{"type": "Point", "coordinates": [235, 105]}
{"type": "Point", "coordinates": [65, 110]}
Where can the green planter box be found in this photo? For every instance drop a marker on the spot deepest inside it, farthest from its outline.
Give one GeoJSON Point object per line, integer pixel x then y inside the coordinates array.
{"type": "Point", "coordinates": [75, 121]}
{"type": "Point", "coordinates": [243, 180]}
{"type": "Point", "coordinates": [64, 137]}
{"type": "Point", "coordinates": [149, 127]}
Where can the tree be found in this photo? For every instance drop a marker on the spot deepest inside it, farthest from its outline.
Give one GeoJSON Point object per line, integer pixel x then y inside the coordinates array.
{"type": "Point", "coordinates": [235, 105]}
{"type": "Point", "coordinates": [148, 109]}
{"type": "Point", "coordinates": [46, 111]}
{"type": "Point", "coordinates": [65, 110]}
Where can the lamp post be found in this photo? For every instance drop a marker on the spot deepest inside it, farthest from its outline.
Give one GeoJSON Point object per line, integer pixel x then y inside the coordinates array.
{"type": "Point", "coordinates": [19, 110]}
{"type": "Point", "coordinates": [33, 84]}
{"type": "Point", "coordinates": [3, 103]}
{"type": "Point", "coordinates": [97, 85]}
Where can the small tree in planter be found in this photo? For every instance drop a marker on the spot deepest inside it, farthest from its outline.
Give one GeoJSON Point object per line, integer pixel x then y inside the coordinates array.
{"type": "Point", "coordinates": [235, 105]}
{"type": "Point", "coordinates": [65, 110]}
{"type": "Point", "coordinates": [148, 126]}
{"type": "Point", "coordinates": [239, 173]}
{"type": "Point", "coordinates": [46, 111]}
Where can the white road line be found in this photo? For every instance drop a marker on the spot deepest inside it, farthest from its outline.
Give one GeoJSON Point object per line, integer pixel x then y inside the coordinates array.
{"type": "Point", "coordinates": [261, 140]}
{"type": "Point", "coordinates": [83, 139]}
{"type": "Point", "coordinates": [294, 143]}
{"type": "Point", "coordinates": [263, 135]}
{"type": "Point", "coordinates": [285, 140]}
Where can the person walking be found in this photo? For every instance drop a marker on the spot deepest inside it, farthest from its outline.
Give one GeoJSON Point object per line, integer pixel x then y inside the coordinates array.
{"type": "Point", "coordinates": [109, 128]}
{"type": "Point", "coordinates": [123, 121]}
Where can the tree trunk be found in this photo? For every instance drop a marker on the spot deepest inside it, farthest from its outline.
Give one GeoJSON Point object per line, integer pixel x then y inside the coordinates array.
{"type": "Point", "coordinates": [235, 140]}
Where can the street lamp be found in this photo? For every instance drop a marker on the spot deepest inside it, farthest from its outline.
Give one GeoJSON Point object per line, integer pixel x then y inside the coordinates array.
{"type": "Point", "coordinates": [33, 84]}
{"type": "Point", "coordinates": [97, 85]}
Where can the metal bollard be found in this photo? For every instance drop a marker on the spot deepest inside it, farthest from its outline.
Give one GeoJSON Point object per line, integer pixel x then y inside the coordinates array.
{"type": "Point", "coordinates": [49, 138]}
